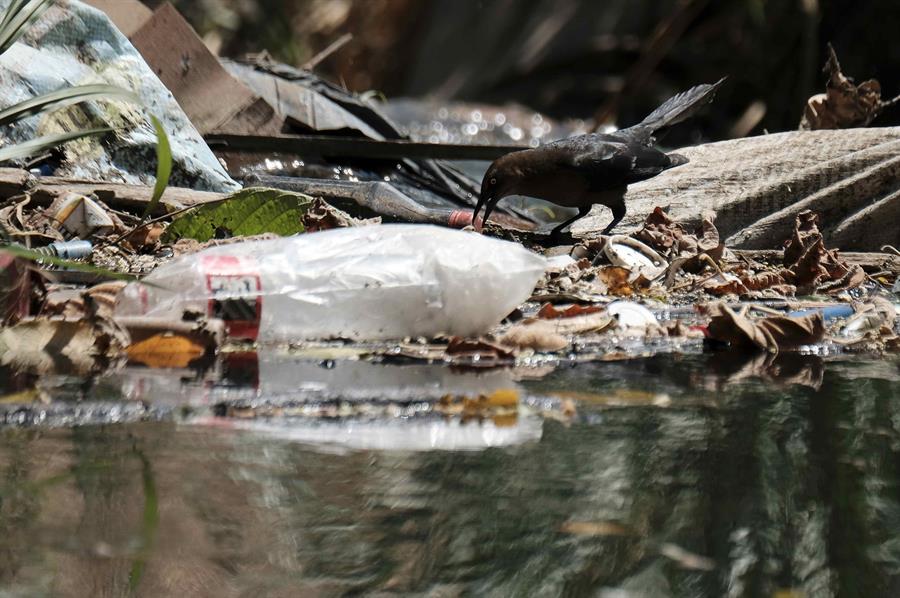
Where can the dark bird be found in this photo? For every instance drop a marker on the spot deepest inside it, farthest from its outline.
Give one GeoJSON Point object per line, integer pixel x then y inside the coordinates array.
{"type": "Point", "coordinates": [591, 169]}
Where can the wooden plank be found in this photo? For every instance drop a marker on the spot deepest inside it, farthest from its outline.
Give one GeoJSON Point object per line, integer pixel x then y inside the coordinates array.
{"type": "Point", "coordinates": [44, 190]}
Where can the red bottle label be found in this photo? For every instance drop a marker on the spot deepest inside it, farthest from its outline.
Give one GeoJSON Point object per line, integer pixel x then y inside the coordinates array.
{"type": "Point", "coordinates": [235, 291]}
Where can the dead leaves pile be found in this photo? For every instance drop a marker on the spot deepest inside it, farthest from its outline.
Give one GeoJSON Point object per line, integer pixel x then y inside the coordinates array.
{"type": "Point", "coordinates": [673, 242]}
{"type": "Point", "coordinates": [808, 267]}
{"type": "Point", "coordinates": [812, 268]}
{"type": "Point", "coordinates": [582, 281]}
{"type": "Point", "coordinates": [78, 340]}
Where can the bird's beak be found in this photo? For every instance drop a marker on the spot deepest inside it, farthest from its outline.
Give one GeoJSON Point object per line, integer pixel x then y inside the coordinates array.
{"type": "Point", "coordinates": [483, 201]}
{"type": "Point", "coordinates": [490, 204]}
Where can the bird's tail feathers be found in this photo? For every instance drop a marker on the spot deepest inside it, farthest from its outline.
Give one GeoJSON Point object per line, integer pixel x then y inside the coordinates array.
{"type": "Point", "coordinates": [677, 108]}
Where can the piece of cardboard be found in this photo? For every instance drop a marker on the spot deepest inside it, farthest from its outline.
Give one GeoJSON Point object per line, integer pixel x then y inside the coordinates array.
{"type": "Point", "coordinates": [127, 15]}
{"type": "Point", "coordinates": [211, 97]}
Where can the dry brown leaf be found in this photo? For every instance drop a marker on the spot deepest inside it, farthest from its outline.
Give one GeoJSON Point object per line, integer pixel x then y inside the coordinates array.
{"type": "Point", "coordinates": [74, 304]}
{"type": "Point", "coordinates": [549, 312]}
{"type": "Point", "coordinates": [810, 266]}
{"type": "Point", "coordinates": [586, 323]}
{"type": "Point", "coordinates": [844, 104]}
{"type": "Point", "coordinates": [482, 349]}
{"type": "Point", "coordinates": [730, 286]}
{"type": "Point", "coordinates": [146, 237]}
{"type": "Point", "coordinates": [15, 289]}
{"type": "Point", "coordinates": [615, 279]}
{"type": "Point", "coordinates": [771, 334]}
{"type": "Point", "coordinates": [321, 215]}
{"type": "Point", "coordinates": [540, 336]}
{"type": "Point", "coordinates": [55, 345]}
{"type": "Point", "coordinates": [692, 253]}
{"type": "Point", "coordinates": [166, 351]}
{"type": "Point", "coordinates": [550, 335]}
{"type": "Point", "coordinates": [765, 280]}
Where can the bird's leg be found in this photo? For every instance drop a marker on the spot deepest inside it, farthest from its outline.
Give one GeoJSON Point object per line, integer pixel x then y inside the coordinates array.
{"type": "Point", "coordinates": [582, 212]}
{"type": "Point", "coordinates": [618, 212]}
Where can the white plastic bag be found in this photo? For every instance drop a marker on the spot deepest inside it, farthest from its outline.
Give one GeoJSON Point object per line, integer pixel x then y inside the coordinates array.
{"type": "Point", "coordinates": [365, 283]}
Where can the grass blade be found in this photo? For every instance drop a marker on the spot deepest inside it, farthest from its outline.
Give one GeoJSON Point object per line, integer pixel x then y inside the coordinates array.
{"type": "Point", "coordinates": [33, 146]}
{"type": "Point", "coordinates": [18, 17]}
{"type": "Point", "coordinates": [14, 7]}
{"type": "Point", "coordinates": [40, 258]}
{"type": "Point", "coordinates": [163, 165]}
{"type": "Point", "coordinates": [70, 95]}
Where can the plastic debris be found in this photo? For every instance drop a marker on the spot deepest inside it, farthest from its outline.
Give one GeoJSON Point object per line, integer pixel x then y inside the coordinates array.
{"type": "Point", "coordinates": [70, 250]}
{"type": "Point", "coordinates": [75, 44]}
{"type": "Point", "coordinates": [390, 281]}
{"type": "Point", "coordinates": [80, 215]}
{"type": "Point", "coordinates": [631, 316]}
{"type": "Point", "coordinates": [635, 256]}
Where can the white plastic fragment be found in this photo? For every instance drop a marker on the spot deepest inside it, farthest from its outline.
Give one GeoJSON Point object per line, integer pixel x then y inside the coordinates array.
{"type": "Point", "coordinates": [368, 283]}
{"type": "Point", "coordinates": [558, 263]}
{"type": "Point", "coordinates": [631, 316]}
{"type": "Point", "coordinates": [635, 256]}
{"type": "Point", "coordinates": [80, 215]}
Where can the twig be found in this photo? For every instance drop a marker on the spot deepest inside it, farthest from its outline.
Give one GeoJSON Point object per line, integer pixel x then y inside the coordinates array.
{"type": "Point", "coordinates": [890, 103]}
{"type": "Point", "coordinates": [333, 47]}
{"type": "Point", "coordinates": [135, 229]}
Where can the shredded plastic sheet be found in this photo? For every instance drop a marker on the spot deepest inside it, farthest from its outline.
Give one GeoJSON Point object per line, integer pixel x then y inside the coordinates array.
{"type": "Point", "coordinates": [75, 44]}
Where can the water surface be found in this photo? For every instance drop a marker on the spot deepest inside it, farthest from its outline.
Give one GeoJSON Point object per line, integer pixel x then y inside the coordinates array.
{"type": "Point", "coordinates": [679, 476]}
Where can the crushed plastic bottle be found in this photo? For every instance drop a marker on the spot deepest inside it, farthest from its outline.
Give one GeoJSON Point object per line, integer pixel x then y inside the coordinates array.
{"type": "Point", "coordinates": [366, 283]}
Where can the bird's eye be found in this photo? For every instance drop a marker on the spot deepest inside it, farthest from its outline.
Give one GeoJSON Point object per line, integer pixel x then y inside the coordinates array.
{"type": "Point", "coordinates": [493, 181]}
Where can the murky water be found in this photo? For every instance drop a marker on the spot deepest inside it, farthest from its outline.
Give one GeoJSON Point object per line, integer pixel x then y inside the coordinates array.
{"type": "Point", "coordinates": [679, 476]}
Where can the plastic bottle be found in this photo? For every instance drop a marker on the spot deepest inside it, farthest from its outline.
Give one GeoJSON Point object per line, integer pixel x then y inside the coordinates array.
{"type": "Point", "coordinates": [366, 283]}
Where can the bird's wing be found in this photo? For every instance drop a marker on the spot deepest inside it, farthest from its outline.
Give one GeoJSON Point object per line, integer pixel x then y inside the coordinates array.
{"type": "Point", "coordinates": [612, 161]}
{"type": "Point", "coordinates": [648, 162]}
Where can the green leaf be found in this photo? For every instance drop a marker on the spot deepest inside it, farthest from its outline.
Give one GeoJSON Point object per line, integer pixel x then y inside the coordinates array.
{"type": "Point", "coordinates": [247, 212]}
{"type": "Point", "coordinates": [70, 95]}
{"type": "Point", "coordinates": [41, 259]}
{"type": "Point", "coordinates": [163, 165]}
{"type": "Point", "coordinates": [19, 16]}
{"type": "Point", "coordinates": [34, 146]}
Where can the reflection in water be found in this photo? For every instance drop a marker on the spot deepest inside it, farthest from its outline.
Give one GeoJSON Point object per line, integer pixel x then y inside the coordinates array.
{"type": "Point", "coordinates": [784, 474]}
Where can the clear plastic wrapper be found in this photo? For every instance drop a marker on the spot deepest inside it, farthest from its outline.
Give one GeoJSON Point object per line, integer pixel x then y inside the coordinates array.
{"type": "Point", "coordinates": [366, 283]}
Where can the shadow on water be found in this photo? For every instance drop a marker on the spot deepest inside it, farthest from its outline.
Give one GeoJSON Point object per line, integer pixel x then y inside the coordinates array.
{"type": "Point", "coordinates": [680, 476]}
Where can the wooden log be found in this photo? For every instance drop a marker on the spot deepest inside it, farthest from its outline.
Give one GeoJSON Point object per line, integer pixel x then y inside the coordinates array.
{"type": "Point", "coordinates": [135, 198]}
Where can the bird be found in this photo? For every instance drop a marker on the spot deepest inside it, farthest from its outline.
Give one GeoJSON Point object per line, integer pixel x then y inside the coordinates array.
{"type": "Point", "coordinates": [594, 168]}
